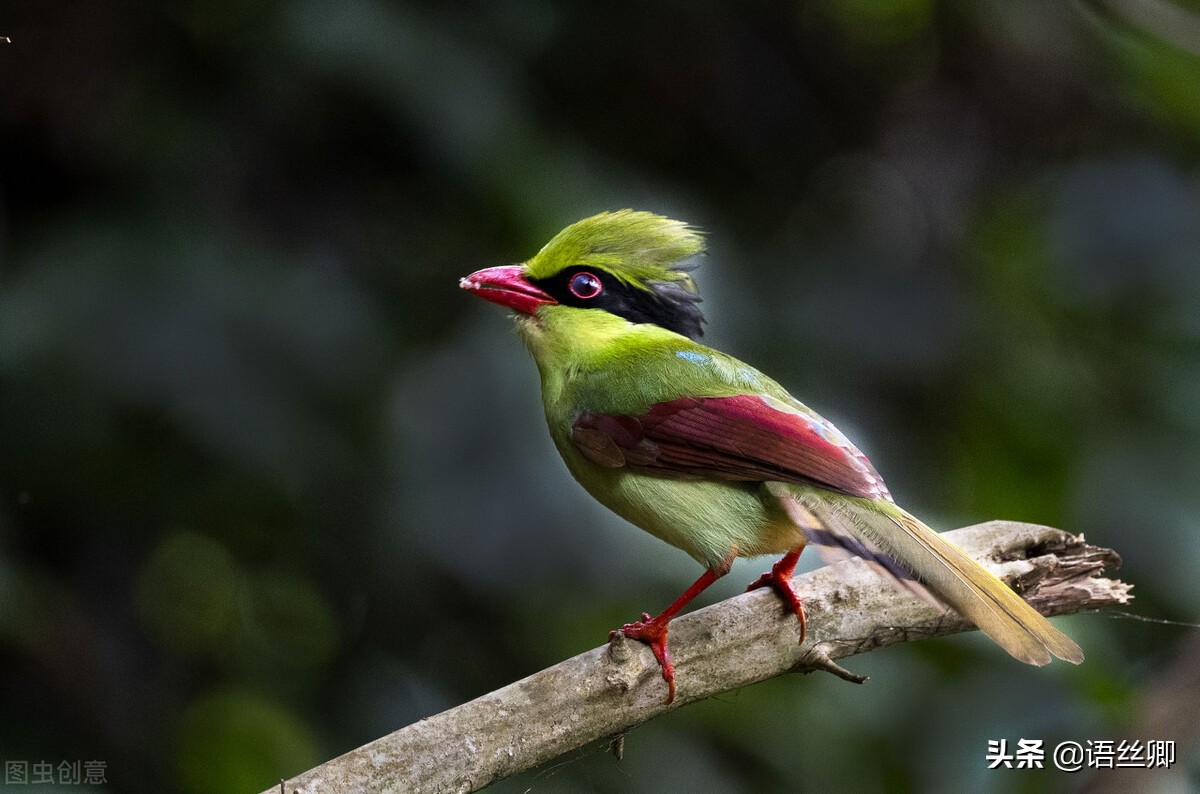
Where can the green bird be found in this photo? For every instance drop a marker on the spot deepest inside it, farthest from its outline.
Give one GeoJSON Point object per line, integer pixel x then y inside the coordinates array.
{"type": "Point", "coordinates": [706, 452]}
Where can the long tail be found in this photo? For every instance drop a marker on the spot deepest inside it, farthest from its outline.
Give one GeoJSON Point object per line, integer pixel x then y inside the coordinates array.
{"type": "Point", "coordinates": [865, 528]}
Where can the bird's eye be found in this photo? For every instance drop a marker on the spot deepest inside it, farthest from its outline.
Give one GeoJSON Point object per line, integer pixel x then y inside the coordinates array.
{"type": "Point", "coordinates": [585, 286]}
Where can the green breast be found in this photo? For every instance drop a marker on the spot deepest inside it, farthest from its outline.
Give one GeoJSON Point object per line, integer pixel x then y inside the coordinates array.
{"type": "Point", "coordinates": [619, 368]}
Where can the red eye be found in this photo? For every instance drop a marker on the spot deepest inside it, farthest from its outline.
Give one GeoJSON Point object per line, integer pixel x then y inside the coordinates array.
{"type": "Point", "coordinates": [585, 286]}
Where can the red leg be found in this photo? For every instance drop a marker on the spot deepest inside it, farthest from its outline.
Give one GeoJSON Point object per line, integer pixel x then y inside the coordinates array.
{"type": "Point", "coordinates": [653, 631]}
{"type": "Point", "coordinates": [780, 579]}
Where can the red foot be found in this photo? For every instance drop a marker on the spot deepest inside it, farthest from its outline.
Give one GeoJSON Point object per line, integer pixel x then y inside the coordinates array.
{"type": "Point", "coordinates": [653, 632]}
{"type": "Point", "coordinates": [779, 578]}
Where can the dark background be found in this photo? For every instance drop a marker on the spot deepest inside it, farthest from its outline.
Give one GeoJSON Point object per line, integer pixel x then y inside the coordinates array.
{"type": "Point", "coordinates": [271, 486]}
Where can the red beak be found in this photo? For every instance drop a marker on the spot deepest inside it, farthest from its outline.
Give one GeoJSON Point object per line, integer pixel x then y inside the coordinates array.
{"type": "Point", "coordinates": [507, 286]}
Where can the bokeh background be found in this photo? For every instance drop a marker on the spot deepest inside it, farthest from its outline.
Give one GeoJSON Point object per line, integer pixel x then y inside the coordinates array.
{"type": "Point", "coordinates": [271, 486]}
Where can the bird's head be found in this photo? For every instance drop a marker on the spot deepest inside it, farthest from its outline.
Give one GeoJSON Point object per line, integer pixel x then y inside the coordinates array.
{"type": "Point", "coordinates": [627, 263]}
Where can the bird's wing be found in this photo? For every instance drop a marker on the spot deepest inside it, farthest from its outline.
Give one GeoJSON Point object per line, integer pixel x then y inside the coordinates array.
{"type": "Point", "coordinates": [750, 437]}
{"type": "Point", "coordinates": [744, 437]}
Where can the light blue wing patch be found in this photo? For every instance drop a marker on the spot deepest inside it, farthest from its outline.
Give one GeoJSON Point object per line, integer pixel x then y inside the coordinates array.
{"type": "Point", "coordinates": [694, 357]}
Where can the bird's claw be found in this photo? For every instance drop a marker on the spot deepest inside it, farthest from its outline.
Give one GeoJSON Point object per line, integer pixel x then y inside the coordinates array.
{"type": "Point", "coordinates": [780, 581]}
{"type": "Point", "coordinates": [654, 633]}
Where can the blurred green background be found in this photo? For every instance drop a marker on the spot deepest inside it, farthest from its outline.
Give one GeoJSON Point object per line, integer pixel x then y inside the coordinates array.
{"type": "Point", "coordinates": [271, 486]}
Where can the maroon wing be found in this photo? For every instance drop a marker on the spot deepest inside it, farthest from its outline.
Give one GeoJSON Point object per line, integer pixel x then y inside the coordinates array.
{"type": "Point", "coordinates": [743, 438]}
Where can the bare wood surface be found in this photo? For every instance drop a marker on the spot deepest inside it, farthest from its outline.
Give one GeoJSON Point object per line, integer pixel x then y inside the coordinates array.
{"type": "Point", "coordinates": [609, 690]}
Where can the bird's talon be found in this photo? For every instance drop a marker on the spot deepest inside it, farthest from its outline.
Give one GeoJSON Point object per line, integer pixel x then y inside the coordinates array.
{"type": "Point", "coordinates": [654, 634]}
{"type": "Point", "coordinates": [779, 579]}
{"type": "Point", "coordinates": [670, 689]}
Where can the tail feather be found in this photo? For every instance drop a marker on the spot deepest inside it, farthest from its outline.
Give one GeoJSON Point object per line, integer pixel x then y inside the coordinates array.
{"type": "Point", "coordinates": [942, 567]}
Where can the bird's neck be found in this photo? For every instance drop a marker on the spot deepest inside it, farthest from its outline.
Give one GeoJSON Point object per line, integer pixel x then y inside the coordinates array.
{"type": "Point", "coordinates": [561, 337]}
{"type": "Point", "coordinates": [568, 343]}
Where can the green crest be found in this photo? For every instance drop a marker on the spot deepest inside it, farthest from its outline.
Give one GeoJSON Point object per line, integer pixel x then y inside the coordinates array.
{"type": "Point", "coordinates": [639, 248]}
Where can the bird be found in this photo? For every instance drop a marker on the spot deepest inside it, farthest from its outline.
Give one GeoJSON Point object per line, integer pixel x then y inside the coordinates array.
{"type": "Point", "coordinates": [704, 451]}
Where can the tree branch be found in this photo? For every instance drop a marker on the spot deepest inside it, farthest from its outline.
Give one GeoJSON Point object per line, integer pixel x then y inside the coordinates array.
{"type": "Point", "coordinates": [607, 691]}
